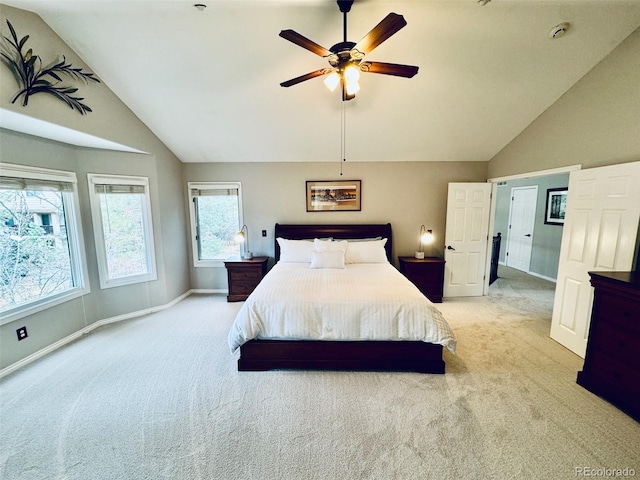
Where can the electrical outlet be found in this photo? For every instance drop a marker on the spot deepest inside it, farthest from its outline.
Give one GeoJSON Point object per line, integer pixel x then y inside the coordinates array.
{"type": "Point", "coordinates": [22, 333]}
{"type": "Point", "coordinates": [264, 233]}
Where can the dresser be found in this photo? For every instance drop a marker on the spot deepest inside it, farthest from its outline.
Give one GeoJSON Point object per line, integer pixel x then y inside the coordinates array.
{"type": "Point", "coordinates": [612, 361]}
{"type": "Point", "coordinates": [243, 276]}
{"type": "Point", "coordinates": [425, 273]}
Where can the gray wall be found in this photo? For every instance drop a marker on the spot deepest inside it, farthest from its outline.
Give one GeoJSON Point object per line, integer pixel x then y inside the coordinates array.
{"type": "Point", "coordinates": [545, 251]}
{"type": "Point", "coordinates": [406, 194]}
{"type": "Point", "coordinates": [55, 323]}
{"type": "Point", "coordinates": [113, 120]}
{"type": "Point", "coordinates": [596, 123]}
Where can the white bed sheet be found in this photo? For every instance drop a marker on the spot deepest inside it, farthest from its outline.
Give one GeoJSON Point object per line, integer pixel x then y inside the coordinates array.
{"type": "Point", "coordinates": [360, 302]}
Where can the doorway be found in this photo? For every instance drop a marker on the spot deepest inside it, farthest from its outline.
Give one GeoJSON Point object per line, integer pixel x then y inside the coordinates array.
{"type": "Point", "coordinates": [533, 283]}
{"type": "Point", "coordinates": [543, 259]}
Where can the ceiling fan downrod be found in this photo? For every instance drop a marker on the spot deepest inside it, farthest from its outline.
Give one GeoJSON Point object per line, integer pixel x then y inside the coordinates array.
{"type": "Point", "coordinates": [345, 7]}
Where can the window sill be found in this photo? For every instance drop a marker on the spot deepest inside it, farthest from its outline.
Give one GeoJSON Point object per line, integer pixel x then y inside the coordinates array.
{"type": "Point", "coordinates": [121, 282]}
{"type": "Point", "coordinates": [12, 314]}
{"type": "Point", "coordinates": [209, 263]}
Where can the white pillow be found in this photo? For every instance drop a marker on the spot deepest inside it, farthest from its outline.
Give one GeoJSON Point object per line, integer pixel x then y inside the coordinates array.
{"type": "Point", "coordinates": [295, 251]}
{"type": "Point", "coordinates": [327, 259]}
{"type": "Point", "coordinates": [367, 252]}
{"type": "Point", "coordinates": [330, 246]}
{"type": "Point", "coordinates": [363, 239]}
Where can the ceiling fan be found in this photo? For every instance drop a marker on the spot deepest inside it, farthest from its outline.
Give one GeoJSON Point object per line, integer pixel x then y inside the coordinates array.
{"type": "Point", "coordinates": [346, 59]}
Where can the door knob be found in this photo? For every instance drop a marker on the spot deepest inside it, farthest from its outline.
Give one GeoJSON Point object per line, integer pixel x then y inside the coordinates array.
{"type": "Point", "coordinates": [528, 235]}
{"type": "Point", "coordinates": [449, 247]}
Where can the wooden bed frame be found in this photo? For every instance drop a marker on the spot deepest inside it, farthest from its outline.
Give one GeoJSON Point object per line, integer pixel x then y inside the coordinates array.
{"type": "Point", "coordinates": [414, 356]}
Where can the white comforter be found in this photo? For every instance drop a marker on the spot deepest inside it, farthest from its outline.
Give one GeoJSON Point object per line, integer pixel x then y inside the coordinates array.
{"type": "Point", "coordinates": [361, 302]}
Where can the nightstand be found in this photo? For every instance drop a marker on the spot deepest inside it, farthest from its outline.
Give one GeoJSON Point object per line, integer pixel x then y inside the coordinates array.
{"type": "Point", "coordinates": [425, 273]}
{"type": "Point", "coordinates": [243, 276]}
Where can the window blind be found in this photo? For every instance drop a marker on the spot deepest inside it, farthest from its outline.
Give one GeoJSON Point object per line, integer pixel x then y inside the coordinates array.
{"type": "Point", "coordinates": [118, 189]}
{"type": "Point", "coordinates": [18, 183]}
{"type": "Point", "coordinates": [208, 192]}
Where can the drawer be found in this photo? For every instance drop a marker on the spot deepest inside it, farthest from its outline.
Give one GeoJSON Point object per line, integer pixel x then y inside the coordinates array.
{"type": "Point", "coordinates": [242, 288]}
{"type": "Point", "coordinates": [248, 282]}
{"type": "Point", "coordinates": [245, 275]}
{"type": "Point", "coordinates": [426, 283]}
{"type": "Point", "coordinates": [618, 377]}
{"type": "Point", "coordinates": [619, 311]}
{"type": "Point", "coordinates": [425, 277]}
{"type": "Point", "coordinates": [423, 270]}
{"type": "Point", "coordinates": [617, 344]}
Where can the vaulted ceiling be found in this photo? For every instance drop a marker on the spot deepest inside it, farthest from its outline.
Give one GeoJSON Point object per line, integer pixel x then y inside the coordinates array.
{"type": "Point", "coordinates": [207, 83]}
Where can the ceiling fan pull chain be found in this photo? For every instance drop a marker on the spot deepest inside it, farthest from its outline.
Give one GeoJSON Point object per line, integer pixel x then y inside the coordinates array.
{"type": "Point", "coordinates": [343, 134]}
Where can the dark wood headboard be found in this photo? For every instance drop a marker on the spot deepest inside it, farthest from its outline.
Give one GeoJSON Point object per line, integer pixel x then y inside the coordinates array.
{"type": "Point", "coordinates": [337, 232]}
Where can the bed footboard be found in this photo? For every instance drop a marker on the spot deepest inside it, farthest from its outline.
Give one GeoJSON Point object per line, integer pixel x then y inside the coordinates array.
{"type": "Point", "coordinates": [260, 355]}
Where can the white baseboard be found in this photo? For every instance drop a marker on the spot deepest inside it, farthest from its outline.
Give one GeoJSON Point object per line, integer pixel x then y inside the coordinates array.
{"type": "Point", "coordinates": [210, 290]}
{"type": "Point", "coordinates": [533, 274]}
{"type": "Point", "coordinates": [88, 329]}
{"type": "Point", "coordinates": [544, 277]}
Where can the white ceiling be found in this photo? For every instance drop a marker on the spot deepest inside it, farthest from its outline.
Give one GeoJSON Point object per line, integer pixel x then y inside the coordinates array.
{"type": "Point", "coordinates": [207, 83]}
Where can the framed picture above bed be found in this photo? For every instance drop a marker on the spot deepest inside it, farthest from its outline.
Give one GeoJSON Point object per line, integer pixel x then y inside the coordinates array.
{"type": "Point", "coordinates": [339, 195]}
{"type": "Point", "coordinates": [556, 206]}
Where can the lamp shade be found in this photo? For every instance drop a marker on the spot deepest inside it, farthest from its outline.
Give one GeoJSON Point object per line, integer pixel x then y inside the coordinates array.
{"type": "Point", "coordinates": [352, 88]}
{"type": "Point", "coordinates": [426, 237]}
{"type": "Point", "coordinates": [242, 237]}
{"type": "Point", "coordinates": [332, 81]}
{"type": "Point", "coordinates": [351, 74]}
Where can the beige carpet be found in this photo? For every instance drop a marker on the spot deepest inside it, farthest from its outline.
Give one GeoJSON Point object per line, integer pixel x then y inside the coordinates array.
{"type": "Point", "coordinates": [160, 398]}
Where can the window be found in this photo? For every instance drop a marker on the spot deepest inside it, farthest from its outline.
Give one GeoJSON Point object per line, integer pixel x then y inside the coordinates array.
{"type": "Point", "coordinates": [216, 217]}
{"type": "Point", "coordinates": [121, 211]}
{"type": "Point", "coordinates": [42, 260]}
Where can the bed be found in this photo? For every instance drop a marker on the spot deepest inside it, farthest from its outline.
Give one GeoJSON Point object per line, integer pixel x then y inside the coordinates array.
{"type": "Point", "coordinates": [325, 315]}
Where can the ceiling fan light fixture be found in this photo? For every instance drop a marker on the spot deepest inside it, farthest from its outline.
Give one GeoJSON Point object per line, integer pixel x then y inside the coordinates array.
{"type": "Point", "coordinates": [351, 74]}
{"type": "Point", "coordinates": [352, 88]}
{"type": "Point", "coordinates": [346, 58]}
{"type": "Point", "coordinates": [332, 81]}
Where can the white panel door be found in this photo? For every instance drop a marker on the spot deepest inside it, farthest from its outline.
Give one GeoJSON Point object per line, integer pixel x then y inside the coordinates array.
{"type": "Point", "coordinates": [601, 226]}
{"type": "Point", "coordinates": [522, 217]}
{"type": "Point", "coordinates": [466, 239]}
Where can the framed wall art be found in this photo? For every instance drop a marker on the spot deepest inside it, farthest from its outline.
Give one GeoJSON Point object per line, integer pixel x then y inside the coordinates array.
{"type": "Point", "coordinates": [339, 195]}
{"type": "Point", "coordinates": [556, 206]}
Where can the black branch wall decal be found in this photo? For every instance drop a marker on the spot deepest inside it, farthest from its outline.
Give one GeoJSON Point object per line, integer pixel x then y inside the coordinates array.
{"type": "Point", "coordinates": [33, 78]}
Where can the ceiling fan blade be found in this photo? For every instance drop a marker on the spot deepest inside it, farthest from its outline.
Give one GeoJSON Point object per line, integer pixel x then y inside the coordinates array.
{"type": "Point", "coordinates": [387, 27]}
{"type": "Point", "coordinates": [398, 70]}
{"type": "Point", "coordinates": [308, 76]}
{"type": "Point", "coordinates": [304, 42]}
